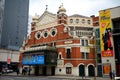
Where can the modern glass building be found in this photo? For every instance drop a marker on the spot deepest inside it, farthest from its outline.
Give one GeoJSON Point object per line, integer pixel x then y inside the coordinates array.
{"type": "Point", "coordinates": [13, 29]}
{"type": "Point", "coordinates": [14, 23]}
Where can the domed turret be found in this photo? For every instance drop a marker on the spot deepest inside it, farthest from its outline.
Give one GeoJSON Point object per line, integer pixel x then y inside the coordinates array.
{"type": "Point", "coordinates": [34, 21]}
{"type": "Point", "coordinates": [61, 10]}
{"type": "Point", "coordinates": [62, 17]}
{"type": "Point", "coordinates": [35, 17]}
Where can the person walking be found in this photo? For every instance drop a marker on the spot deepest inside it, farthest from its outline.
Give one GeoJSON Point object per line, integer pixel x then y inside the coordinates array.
{"type": "Point", "coordinates": [29, 70]}
{"type": "Point", "coordinates": [23, 71]}
{"type": "Point", "coordinates": [17, 71]}
{"type": "Point", "coordinates": [114, 74]}
{"type": "Point", "coordinates": [111, 75]}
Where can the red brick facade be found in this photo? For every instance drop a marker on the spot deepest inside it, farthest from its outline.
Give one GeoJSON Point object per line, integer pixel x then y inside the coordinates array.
{"type": "Point", "coordinates": [64, 41]}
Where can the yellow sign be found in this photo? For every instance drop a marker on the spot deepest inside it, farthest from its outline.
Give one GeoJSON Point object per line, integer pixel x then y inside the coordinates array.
{"type": "Point", "coordinates": [105, 33]}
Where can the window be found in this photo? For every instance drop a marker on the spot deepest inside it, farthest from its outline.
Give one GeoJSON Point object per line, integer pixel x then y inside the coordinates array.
{"type": "Point", "coordinates": [60, 56]}
{"type": "Point", "coordinates": [97, 42]}
{"type": "Point", "coordinates": [88, 21]}
{"type": "Point", "coordinates": [38, 35]}
{"type": "Point", "coordinates": [77, 20]}
{"type": "Point", "coordinates": [45, 34]}
{"type": "Point", "coordinates": [53, 32]}
{"type": "Point", "coordinates": [83, 21]}
{"type": "Point", "coordinates": [68, 70]}
{"type": "Point", "coordinates": [99, 58]}
{"type": "Point", "coordinates": [60, 70]}
{"type": "Point", "coordinates": [68, 53]}
{"type": "Point", "coordinates": [97, 33]}
{"type": "Point", "coordinates": [71, 20]}
{"type": "Point", "coordinates": [84, 42]}
{"type": "Point", "coordinates": [97, 23]}
{"type": "Point", "coordinates": [85, 55]}
{"type": "Point", "coordinates": [53, 44]}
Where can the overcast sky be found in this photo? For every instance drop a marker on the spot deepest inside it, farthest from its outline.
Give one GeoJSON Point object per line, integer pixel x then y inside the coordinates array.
{"type": "Point", "coordinates": [82, 7]}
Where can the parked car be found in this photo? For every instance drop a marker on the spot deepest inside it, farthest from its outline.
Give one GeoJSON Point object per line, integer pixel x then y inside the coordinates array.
{"type": "Point", "coordinates": [9, 70]}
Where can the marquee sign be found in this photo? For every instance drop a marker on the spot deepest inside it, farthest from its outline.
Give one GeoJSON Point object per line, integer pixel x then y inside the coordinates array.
{"type": "Point", "coordinates": [33, 59]}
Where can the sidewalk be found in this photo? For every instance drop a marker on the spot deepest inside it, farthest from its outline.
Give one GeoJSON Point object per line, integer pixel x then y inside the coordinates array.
{"type": "Point", "coordinates": [59, 77]}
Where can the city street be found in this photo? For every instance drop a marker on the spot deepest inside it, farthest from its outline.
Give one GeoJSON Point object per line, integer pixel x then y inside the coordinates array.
{"type": "Point", "coordinates": [13, 76]}
{"type": "Point", "coordinates": [24, 78]}
{"type": "Point", "coordinates": [44, 78]}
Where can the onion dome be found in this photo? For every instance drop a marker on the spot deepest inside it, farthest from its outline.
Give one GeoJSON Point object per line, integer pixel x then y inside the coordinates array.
{"type": "Point", "coordinates": [35, 17]}
{"type": "Point", "coordinates": [61, 9]}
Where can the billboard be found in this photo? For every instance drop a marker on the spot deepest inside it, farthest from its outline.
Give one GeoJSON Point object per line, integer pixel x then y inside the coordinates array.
{"type": "Point", "coordinates": [33, 59]}
{"type": "Point", "coordinates": [105, 33]}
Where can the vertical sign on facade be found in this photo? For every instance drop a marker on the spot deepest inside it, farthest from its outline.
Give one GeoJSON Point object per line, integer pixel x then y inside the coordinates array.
{"type": "Point", "coordinates": [105, 34]}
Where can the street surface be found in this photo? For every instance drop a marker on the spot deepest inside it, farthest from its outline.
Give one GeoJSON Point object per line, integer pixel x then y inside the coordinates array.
{"type": "Point", "coordinates": [29, 78]}
{"type": "Point", "coordinates": [14, 76]}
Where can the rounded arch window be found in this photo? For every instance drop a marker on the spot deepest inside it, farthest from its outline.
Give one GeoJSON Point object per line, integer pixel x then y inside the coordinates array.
{"type": "Point", "coordinates": [83, 21]}
{"type": "Point", "coordinates": [88, 21]}
{"type": "Point", "coordinates": [71, 20]}
{"type": "Point", "coordinates": [38, 35]}
{"type": "Point", "coordinates": [53, 32]}
{"type": "Point", "coordinates": [77, 20]}
{"type": "Point", "coordinates": [45, 33]}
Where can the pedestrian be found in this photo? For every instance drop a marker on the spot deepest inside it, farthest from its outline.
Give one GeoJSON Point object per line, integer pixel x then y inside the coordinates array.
{"type": "Point", "coordinates": [110, 75]}
{"type": "Point", "coordinates": [17, 71]}
{"type": "Point", "coordinates": [23, 71]}
{"type": "Point", "coordinates": [114, 74]}
{"type": "Point", "coordinates": [29, 70]}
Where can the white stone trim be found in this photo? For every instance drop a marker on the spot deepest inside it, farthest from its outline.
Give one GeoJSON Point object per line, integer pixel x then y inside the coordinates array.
{"type": "Point", "coordinates": [44, 33]}
{"type": "Point", "coordinates": [68, 65]}
{"type": "Point", "coordinates": [53, 29]}
{"type": "Point", "coordinates": [38, 32]}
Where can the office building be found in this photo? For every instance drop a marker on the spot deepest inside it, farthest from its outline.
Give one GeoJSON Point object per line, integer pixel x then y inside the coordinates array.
{"type": "Point", "coordinates": [13, 30]}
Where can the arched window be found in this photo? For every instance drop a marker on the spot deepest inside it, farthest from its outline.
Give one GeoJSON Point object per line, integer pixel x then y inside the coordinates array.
{"type": "Point", "coordinates": [71, 20]}
{"type": "Point", "coordinates": [38, 35]}
{"type": "Point", "coordinates": [77, 20]}
{"type": "Point", "coordinates": [83, 21]}
{"type": "Point", "coordinates": [88, 21]}
{"type": "Point", "coordinates": [45, 33]}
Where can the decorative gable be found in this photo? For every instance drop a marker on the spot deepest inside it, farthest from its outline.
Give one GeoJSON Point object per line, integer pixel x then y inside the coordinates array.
{"type": "Point", "coordinates": [47, 18]}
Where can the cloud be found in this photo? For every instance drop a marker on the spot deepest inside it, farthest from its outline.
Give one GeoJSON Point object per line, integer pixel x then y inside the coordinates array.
{"type": "Point", "coordinates": [83, 7]}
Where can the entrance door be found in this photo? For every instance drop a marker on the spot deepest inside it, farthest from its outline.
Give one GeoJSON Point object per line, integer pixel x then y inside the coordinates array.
{"type": "Point", "coordinates": [37, 70]}
{"type": "Point", "coordinates": [52, 70]}
{"type": "Point", "coordinates": [44, 71]}
{"type": "Point", "coordinates": [81, 70]}
{"type": "Point", "coordinates": [99, 70]}
{"type": "Point", "coordinates": [118, 69]}
{"type": "Point", "coordinates": [91, 70]}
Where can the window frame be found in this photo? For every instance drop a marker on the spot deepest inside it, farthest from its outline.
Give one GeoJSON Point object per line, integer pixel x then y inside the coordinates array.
{"type": "Point", "coordinates": [36, 35]}
{"type": "Point", "coordinates": [44, 33]}
{"type": "Point", "coordinates": [71, 20]}
{"type": "Point", "coordinates": [68, 54]}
